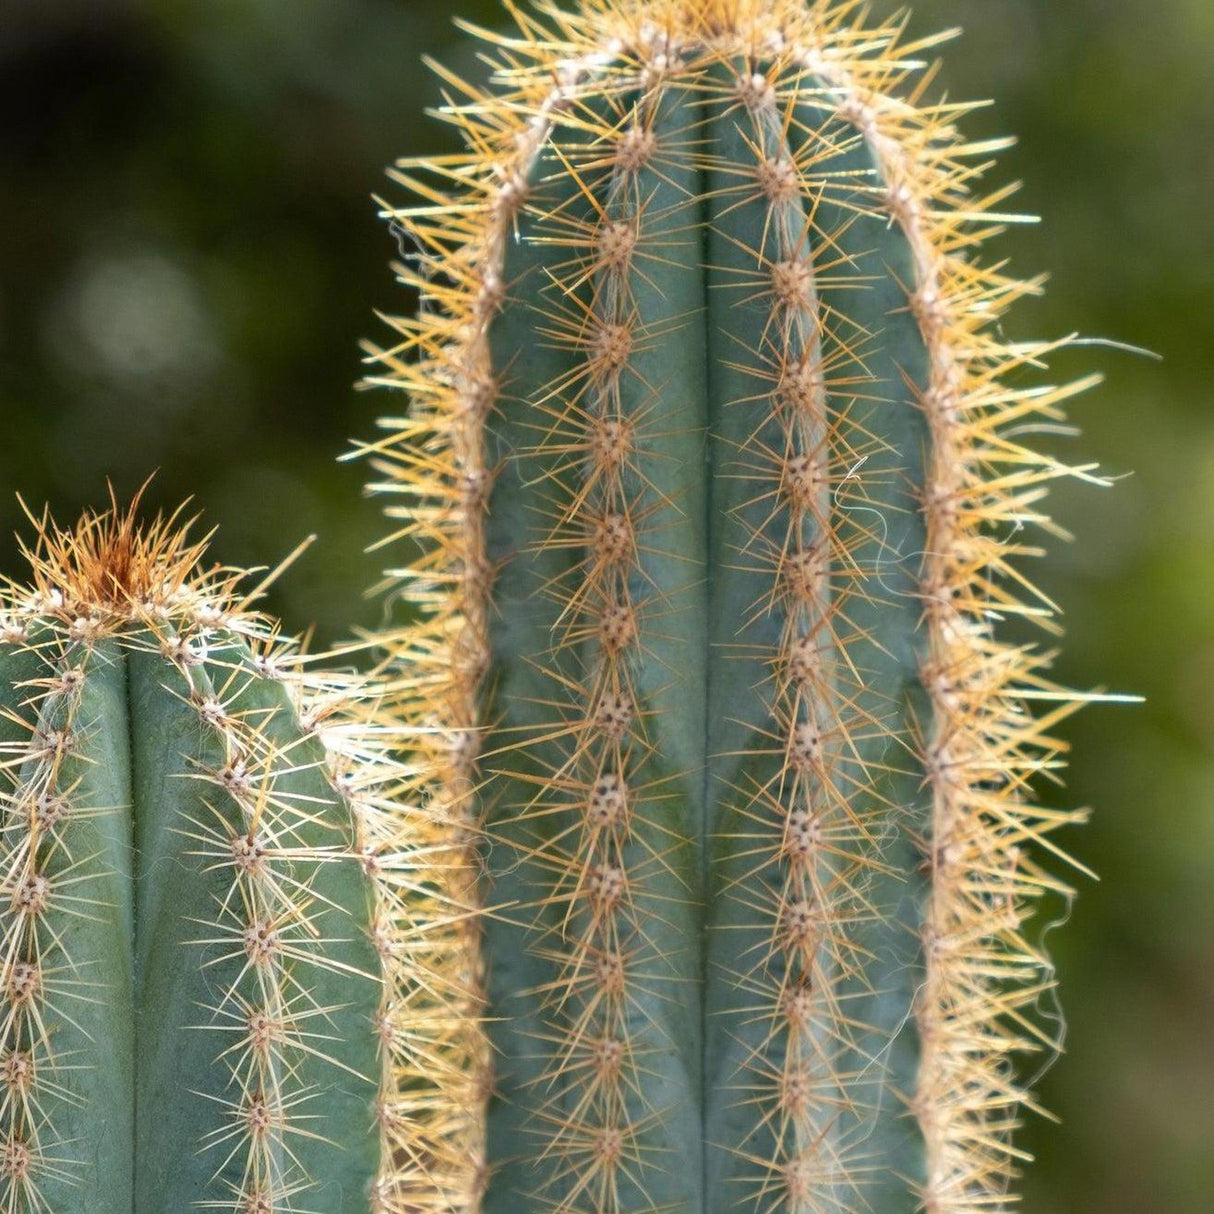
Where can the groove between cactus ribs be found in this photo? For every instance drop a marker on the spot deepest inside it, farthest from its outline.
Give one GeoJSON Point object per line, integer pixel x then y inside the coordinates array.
{"type": "Point", "coordinates": [804, 1066]}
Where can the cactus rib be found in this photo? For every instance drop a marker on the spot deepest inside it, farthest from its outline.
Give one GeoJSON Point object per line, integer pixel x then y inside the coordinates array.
{"type": "Point", "coordinates": [203, 897]}
{"type": "Point", "coordinates": [714, 472]}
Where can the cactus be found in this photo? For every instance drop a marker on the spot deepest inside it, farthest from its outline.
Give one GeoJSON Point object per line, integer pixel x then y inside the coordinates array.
{"type": "Point", "coordinates": [714, 491]}
{"type": "Point", "coordinates": [200, 898]}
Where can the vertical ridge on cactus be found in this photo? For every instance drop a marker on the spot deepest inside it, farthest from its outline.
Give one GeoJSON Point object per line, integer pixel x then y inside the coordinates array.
{"type": "Point", "coordinates": [202, 896]}
{"type": "Point", "coordinates": [714, 491]}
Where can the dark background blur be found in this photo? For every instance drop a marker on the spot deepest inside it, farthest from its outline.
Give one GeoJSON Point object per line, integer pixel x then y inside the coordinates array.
{"type": "Point", "coordinates": [189, 257]}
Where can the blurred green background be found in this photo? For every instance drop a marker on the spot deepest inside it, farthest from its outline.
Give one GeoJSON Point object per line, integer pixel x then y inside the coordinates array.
{"type": "Point", "coordinates": [189, 257]}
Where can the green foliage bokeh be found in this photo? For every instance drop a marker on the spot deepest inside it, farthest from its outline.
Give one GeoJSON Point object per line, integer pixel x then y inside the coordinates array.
{"type": "Point", "coordinates": [189, 257]}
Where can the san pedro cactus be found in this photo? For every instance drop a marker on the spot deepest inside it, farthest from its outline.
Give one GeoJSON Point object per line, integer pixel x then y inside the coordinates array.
{"type": "Point", "coordinates": [200, 917]}
{"type": "Point", "coordinates": [714, 491]}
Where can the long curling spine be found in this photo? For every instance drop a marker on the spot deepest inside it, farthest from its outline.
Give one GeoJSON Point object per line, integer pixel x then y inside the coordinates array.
{"type": "Point", "coordinates": [716, 486]}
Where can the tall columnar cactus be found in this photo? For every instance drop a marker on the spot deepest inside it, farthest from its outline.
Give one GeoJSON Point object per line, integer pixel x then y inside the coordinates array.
{"type": "Point", "coordinates": [201, 918]}
{"type": "Point", "coordinates": [715, 492]}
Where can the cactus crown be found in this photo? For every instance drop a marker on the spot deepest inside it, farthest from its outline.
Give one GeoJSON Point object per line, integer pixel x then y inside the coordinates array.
{"type": "Point", "coordinates": [199, 895]}
{"type": "Point", "coordinates": [109, 563]}
{"type": "Point", "coordinates": [715, 469]}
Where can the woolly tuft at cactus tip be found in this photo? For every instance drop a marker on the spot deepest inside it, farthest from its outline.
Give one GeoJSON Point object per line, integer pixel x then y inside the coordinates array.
{"type": "Point", "coordinates": [187, 255]}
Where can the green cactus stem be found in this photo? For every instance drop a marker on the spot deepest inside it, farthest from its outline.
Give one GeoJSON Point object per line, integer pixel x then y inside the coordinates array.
{"type": "Point", "coordinates": [714, 489]}
{"type": "Point", "coordinates": [199, 893]}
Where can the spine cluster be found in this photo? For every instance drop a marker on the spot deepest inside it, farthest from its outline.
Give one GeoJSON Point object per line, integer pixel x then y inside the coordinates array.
{"type": "Point", "coordinates": [983, 746]}
{"type": "Point", "coordinates": [811, 838]}
{"type": "Point", "coordinates": [43, 882]}
{"type": "Point", "coordinates": [812, 847]}
{"type": "Point", "coordinates": [434, 462]}
{"type": "Point", "coordinates": [603, 852]}
{"type": "Point", "coordinates": [264, 927]}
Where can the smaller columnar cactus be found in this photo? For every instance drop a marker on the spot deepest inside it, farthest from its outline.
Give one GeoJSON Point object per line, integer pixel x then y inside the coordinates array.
{"type": "Point", "coordinates": [199, 897]}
